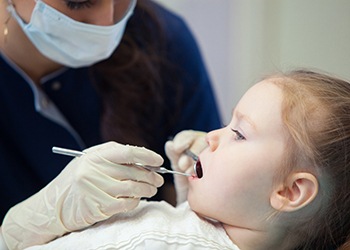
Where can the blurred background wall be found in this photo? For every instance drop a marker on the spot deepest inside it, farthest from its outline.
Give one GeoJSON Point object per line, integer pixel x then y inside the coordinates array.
{"type": "Point", "coordinates": [243, 40]}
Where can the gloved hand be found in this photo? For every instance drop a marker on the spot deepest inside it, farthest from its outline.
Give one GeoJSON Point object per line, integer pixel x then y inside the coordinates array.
{"type": "Point", "coordinates": [187, 139]}
{"type": "Point", "coordinates": [91, 188]}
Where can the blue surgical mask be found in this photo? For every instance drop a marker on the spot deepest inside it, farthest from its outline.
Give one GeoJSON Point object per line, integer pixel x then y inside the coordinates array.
{"type": "Point", "coordinates": [67, 41]}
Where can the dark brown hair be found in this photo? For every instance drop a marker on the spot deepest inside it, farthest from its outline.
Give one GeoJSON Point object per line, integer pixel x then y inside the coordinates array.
{"type": "Point", "coordinates": [316, 112]}
{"type": "Point", "coordinates": [131, 82]}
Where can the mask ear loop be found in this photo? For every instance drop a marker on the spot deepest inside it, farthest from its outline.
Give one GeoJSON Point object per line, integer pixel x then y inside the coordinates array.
{"type": "Point", "coordinates": [6, 30]}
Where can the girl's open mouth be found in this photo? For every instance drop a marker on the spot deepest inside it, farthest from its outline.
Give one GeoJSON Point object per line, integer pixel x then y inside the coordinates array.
{"type": "Point", "coordinates": [198, 169]}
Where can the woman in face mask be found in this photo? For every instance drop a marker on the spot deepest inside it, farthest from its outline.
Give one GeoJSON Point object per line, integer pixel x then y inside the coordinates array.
{"type": "Point", "coordinates": [79, 73]}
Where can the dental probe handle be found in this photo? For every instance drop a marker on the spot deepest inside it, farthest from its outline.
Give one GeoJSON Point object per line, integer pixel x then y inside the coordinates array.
{"type": "Point", "coordinates": [75, 153]}
{"type": "Point", "coordinates": [69, 152]}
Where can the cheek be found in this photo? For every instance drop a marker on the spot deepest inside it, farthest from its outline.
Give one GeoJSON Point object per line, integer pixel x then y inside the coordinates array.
{"type": "Point", "coordinates": [25, 9]}
{"type": "Point", "coordinates": [233, 178]}
{"type": "Point", "coordinates": [218, 173]}
{"type": "Point", "coordinates": [212, 190]}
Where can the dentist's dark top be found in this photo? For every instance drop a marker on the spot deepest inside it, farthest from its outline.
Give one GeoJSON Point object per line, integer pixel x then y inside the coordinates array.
{"type": "Point", "coordinates": [65, 112]}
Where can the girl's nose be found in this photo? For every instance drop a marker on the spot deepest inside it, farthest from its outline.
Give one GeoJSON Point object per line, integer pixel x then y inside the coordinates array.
{"type": "Point", "coordinates": [212, 139]}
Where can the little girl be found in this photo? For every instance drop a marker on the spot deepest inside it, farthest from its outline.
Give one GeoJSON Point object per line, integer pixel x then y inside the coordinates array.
{"type": "Point", "coordinates": [277, 177]}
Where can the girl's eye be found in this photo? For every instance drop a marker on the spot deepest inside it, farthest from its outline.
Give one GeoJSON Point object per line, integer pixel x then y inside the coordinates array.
{"type": "Point", "coordinates": [239, 136]}
{"type": "Point", "coordinates": [77, 5]}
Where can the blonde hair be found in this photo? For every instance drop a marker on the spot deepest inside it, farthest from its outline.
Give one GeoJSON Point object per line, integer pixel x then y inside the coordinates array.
{"type": "Point", "coordinates": [316, 113]}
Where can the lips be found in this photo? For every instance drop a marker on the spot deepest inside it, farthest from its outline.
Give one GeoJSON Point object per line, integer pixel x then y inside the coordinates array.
{"type": "Point", "coordinates": [198, 169]}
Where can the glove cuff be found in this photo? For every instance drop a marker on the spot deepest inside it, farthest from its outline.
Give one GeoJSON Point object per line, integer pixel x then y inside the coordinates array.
{"type": "Point", "coordinates": [31, 222]}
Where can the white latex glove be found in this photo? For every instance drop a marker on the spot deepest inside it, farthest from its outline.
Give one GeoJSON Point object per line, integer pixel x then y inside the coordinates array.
{"type": "Point", "coordinates": [187, 139]}
{"type": "Point", "coordinates": [91, 188]}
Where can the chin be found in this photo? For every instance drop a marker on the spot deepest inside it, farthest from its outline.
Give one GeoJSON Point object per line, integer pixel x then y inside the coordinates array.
{"type": "Point", "coordinates": [195, 205]}
{"type": "Point", "coordinates": [202, 214]}
{"type": "Point", "coordinates": [191, 202]}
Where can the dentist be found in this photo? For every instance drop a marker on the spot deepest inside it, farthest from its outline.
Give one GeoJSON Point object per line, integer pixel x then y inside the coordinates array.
{"type": "Point", "coordinates": [80, 73]}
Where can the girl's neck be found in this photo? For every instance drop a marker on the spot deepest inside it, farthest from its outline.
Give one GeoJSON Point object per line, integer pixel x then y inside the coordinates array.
{"type": "Point", "coordinates": [250, 239]}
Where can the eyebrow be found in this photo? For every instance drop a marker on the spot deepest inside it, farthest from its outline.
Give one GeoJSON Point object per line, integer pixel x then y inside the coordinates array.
{"type": "Point", "coordinates": [241, 116]}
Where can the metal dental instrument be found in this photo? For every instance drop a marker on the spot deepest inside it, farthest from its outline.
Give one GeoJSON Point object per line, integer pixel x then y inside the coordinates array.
{"type": "Point", "coordinates": [191, 154]}
{"type": "Point", "coordinates": [197, 167]}
{"type": "Point", "coordinates": [69, 152]}
{"type": "Point", "coordinates": [75, 153]}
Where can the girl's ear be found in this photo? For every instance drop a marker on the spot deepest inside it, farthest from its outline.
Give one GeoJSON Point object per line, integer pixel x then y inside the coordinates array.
{"type": "Point", "coordinates": [299, 191]}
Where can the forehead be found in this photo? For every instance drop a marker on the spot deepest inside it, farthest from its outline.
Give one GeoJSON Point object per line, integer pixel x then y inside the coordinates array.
{"type": "Point", "coordinates": [264, 94]}
{"type": "Point", "coordinates": [262, 103]}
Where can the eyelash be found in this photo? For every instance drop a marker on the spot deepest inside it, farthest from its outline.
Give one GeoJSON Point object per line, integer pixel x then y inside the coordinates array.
{"type": "Point", "coordinates": [239, 136]}
{"type": "Point", "coordinates": [78, 5]}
